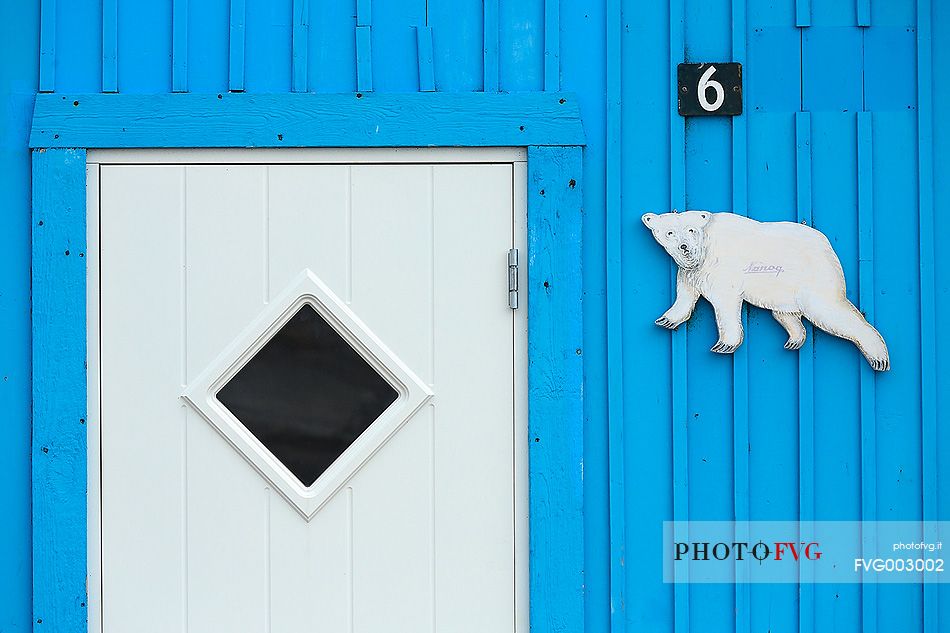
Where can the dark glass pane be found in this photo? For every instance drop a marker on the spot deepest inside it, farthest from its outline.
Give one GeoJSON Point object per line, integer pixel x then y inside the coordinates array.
{"type": "Point", "coordinates": [307, 395]}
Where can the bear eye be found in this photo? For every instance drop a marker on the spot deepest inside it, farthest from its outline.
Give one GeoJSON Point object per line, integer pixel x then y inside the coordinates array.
{"type": "Point", "coordinates": [669, 234]}
{"type": "Point", "coordinates": [692, 230]}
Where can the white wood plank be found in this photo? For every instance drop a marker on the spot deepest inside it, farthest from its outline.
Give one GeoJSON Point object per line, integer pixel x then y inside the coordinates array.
{"type": "Point", "coordinates": [310, 568]}
{"type": "Point", "coordinates": [309, 224]}
{"type": "Point", "coordinates": [392, 258]}
{"type": "Point", "coordinates": [225, 246]}
{"type": "Point", "coordinates": [474, 431]}
{"type": "Point", "coordinates": [142, 458]}
{"type": "Point", "coordinates": [227, 501]}
{"type": "Point", "coordinates": [309, 227]}
{"type": "Point", "coordinates": [392, 534]}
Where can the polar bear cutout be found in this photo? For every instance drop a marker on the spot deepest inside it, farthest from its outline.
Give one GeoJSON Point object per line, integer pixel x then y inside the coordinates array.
{"type": "Point", "coordinates": [784, 267]}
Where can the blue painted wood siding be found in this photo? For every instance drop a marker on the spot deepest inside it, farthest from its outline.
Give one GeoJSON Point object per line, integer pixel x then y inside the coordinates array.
{"type": "Point", "coordinates": [840, 131]}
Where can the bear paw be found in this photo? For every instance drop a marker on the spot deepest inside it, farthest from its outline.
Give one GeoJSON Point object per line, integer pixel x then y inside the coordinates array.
{"type": "Point", "coordinates": [794, 343]}
{"type": "Point", "coordinates": [880, 364]}
{"type": "Point", "coordinates": [724, 348]}
{"type": "Point", "coordinates": [667, 323]}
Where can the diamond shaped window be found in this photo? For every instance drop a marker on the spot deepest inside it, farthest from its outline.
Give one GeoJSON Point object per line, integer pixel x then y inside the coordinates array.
{"type": "Point", "coordinates": [307, 395]}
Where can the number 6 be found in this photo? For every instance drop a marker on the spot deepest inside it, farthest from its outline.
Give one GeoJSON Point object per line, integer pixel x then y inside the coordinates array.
{"type": "Point", "coordinates": [704, 83]}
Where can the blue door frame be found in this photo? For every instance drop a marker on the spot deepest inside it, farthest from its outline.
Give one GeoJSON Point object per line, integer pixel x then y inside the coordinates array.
{"type": "Point", "coordinates": [547, 124]}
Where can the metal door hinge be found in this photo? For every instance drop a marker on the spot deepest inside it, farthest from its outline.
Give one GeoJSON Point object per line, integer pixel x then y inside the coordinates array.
{"type": "Point", "coordinates": [513, 278]}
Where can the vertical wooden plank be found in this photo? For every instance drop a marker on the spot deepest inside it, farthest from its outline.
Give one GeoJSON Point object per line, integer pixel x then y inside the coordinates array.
{"type": "Point", "coordinates": [555, 429]}
{"type": "Point", "coordinates": [180, 46]}
{"type": "Point", "coordinates": [864, 12]}
{"type": "Point", "coordinates": [392, 571]}
{"type": "Point", "coordinates": [424, 49]}
{"type": "Point", "coordinates": [802, 13]}
{"type": "Point", "coordinates": [552, 45]}
{"type": "Point", "coordinates": [614, 240]}
{"type": "Point", "coordinates": [208, 47]}
{"type": "Point", "coordinates": [364, 12]}
{"type": "Point", "coordinates": [469, 436]}
{"type": "Point", "coordinates": [491, 46]}
{"type": "Point", "coordinates": [225, 501]}
{"type": "Point", "coordinates": [300, 45]}
{"type": "Point", "coordinates": [236, 47]}
{"type": "Point", "coordinates": [740, 360]}
{"type": "Point", "coordinates": [110, 30]}
{"type": "Point", "coordinates": [928, 315]}
{"type": "Point", "coordinates": [332, 65]}
{"type": "Point", "coordinates": [140, 404]}
{"type": "Point", "coordinates": [868, 417]}
{"type": "Point", "coordinates": [309, 564]}
{"type": "Point", "coordinates": [679, 413]}
{"type": "Point", "coordinates": [47, 45]}
{"type": "Point", "coordinates": [144, 49]}
{"type": "Point", "coordinates": [458, 43]}
{"type": "Point", "coordinates": [59, 390]}
{"type": "Point", "coordinates": [806, 384]}
{"type": "Point", "coordinates": [364, 59]}
{"type": "Point", "coordinates": [394, 57]}
{"type": "Point", "coordinates": [21, 68]}
{"type": "Point", "coordinates": [521, 42]}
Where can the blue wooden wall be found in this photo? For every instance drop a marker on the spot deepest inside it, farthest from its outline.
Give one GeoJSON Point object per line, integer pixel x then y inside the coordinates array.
{"type": "Point", "coordinates": [840, 131]}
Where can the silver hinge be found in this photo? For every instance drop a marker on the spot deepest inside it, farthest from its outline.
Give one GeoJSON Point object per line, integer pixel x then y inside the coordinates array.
{"type": "Point", "coordinates": [513, 278]}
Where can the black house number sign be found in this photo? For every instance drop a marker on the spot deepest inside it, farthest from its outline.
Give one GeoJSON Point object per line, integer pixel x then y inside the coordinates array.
{"type": "Point", "coordinates": [710, 89]}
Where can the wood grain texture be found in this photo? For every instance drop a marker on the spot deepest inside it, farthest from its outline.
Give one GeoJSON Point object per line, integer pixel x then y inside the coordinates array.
{"type": "Point", "coordinates": [306, 120]}
{"type": "Point", "coordinates": [555, 389]}
{"type": "Point", "coordinates": [59, 390]}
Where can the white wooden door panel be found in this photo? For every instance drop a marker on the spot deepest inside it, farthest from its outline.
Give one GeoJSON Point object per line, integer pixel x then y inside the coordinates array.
{"type": "Point", "coordinates": [309, 224]}
{"type": "Point", "coordinates": [226, 518]}
{"type": "Point", "coordinates": [148, 468]}
{"type": "Point", "coordinates": [422, 536]}
{"type": "Point", "coordinates": [482, 216]}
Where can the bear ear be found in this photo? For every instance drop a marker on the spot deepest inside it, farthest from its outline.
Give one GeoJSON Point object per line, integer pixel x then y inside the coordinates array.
{"type": "Point", "coordinates": [648, 218]}
{"type": "Point", "coordinates": [704, 217]}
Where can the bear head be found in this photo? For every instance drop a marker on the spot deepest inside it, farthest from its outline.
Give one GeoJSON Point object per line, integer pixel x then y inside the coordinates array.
{"type": "Point", "coordinates": [683, 235]}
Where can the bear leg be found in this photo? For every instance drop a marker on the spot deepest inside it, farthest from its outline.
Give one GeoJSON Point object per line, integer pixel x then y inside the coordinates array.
{"type": "Point", "coordinates": [838, 316]}
{"type": "Point", "coordinates": [792, 322]}
{"type": "Point", "coordinates": [686, 297]}
{"type": "Point", "coordinates": [729, 322]}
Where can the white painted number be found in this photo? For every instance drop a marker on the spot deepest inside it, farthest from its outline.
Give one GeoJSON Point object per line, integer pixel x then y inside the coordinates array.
{"type": "Point", "coordinates": [705, 83]}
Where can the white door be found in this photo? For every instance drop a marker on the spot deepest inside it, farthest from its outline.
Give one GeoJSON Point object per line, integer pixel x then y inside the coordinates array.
{"type": "Point", "coordinates": [310, 392]}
